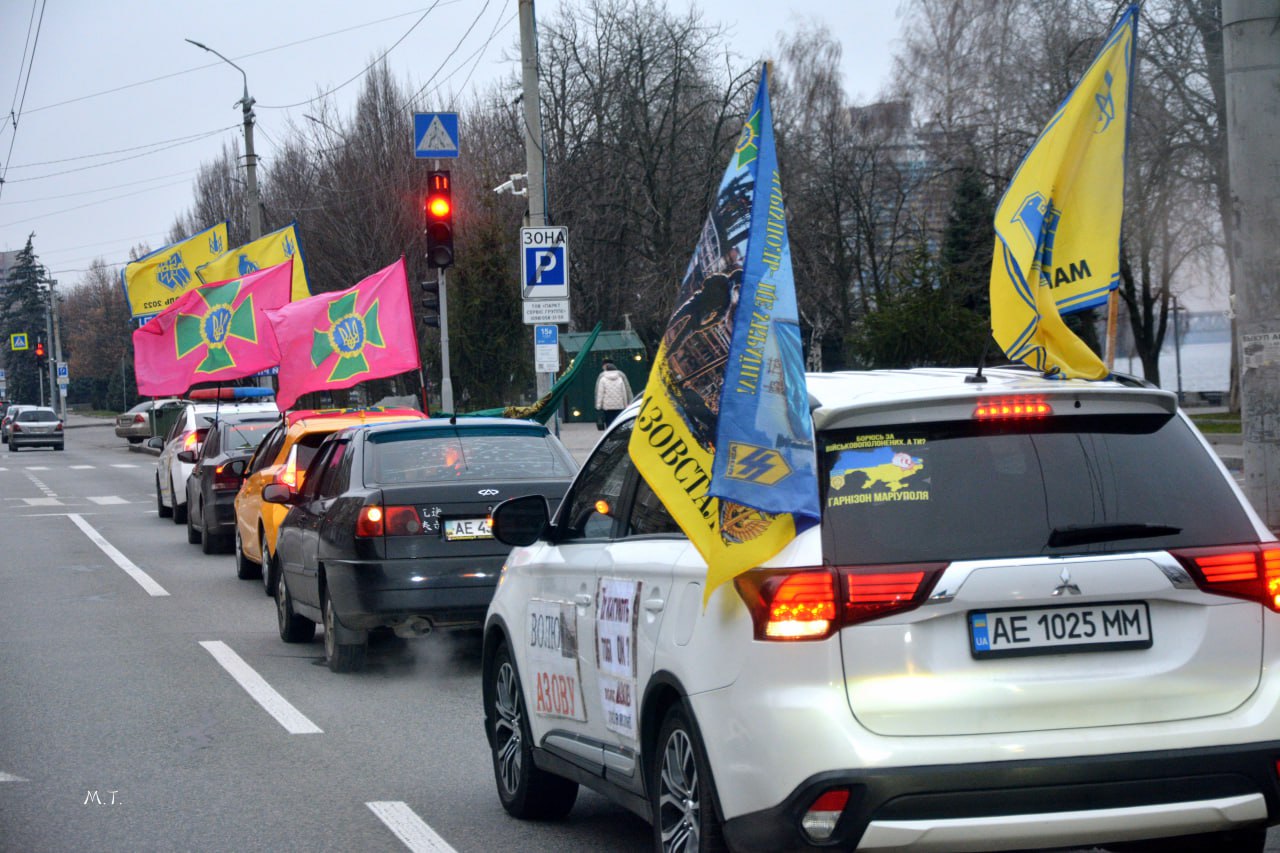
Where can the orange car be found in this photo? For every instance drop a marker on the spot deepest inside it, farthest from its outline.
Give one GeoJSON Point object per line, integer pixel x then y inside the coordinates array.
{"type": "Point", "coordinates": [282, 457]}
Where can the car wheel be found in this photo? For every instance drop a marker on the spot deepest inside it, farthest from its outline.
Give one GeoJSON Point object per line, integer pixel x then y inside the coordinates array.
{"type": "Point", "coordinates": [161, 510]}
{"type": "Point", "coordinates": [246, 568]}
{"type": "Point", "coordinates": [293, 628]}
{"type": "Point", "coordinates": [179, 510]}
{"type": "Point", "coordinates": [526, 791]}
{"type": "Point", "coordinates": [684, 812]}
{"type": "Point", "coordinates": [210, 543]}
{"type": "Point", "coordinates": [193, 535]}
{"type": "Point", "coordinates": [60, 447]}
{"type": "Point", "coordinates": [13, 448]}
{"type": "Point", "coordinates": [341, 657]}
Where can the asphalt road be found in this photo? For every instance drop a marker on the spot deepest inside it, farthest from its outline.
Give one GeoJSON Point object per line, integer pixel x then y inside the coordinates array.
{"type": "Point", "coordinates": [147, 702]}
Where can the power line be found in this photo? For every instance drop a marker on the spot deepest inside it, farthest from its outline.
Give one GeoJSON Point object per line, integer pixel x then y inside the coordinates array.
{"type": "Point", "coordinates": [123, 159]}
{"type": "Point", "coordinates": [16, 116]}
{"type": "Point", "coordinates": [90, 204]}
{"type": "Point", "coordinates": [191, 138]}
{"type": "Point", "coordinates": [444, 61]}
{"type": "Point", "coordinates": [80, 193]}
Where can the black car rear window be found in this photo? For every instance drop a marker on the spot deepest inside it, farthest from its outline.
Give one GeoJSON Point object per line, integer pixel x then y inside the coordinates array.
{"type": "Point", "coordinates": [436, 455]}
{"type": "Point", "coordinates": [964, 490]}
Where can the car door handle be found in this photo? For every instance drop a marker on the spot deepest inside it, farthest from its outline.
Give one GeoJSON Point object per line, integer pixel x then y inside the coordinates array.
{"type": "Point", "coordinates": [654, 605]}
{"type": "Point", "coordinates": [583, 599]}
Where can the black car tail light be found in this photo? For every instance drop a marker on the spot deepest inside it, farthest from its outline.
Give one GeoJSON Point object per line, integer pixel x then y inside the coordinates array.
{"type": "Point", "coordinates": [1243, 571]}
{"type": "Point", "coordinates": [224, 480]}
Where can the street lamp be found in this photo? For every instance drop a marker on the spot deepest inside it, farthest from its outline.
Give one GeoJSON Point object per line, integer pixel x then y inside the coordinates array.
{"type": "Point", "coordinates": [251, 161]}
{"type": "Point", "coordinates": [1177, 346]}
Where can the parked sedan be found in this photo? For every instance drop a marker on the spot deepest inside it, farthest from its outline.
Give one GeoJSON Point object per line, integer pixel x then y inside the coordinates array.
{"type": "Point", "coordinates": [9, 414]}
{"type": "Point", "coordinates": [216, 475]}
{"type": "Point", "coordinates": [137, 424]}
{"type": "Point", "coordinates": [36, 427]}
{"type": "Point", "coordinates": [391, 527]}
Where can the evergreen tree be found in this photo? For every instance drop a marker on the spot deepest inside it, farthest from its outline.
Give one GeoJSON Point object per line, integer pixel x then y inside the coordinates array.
{"type": "Point", "coordinates": [22, 310]}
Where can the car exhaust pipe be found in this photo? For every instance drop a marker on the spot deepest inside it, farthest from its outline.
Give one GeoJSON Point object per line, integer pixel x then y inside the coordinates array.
{"type": "Point", "coordinates": [414, 626]}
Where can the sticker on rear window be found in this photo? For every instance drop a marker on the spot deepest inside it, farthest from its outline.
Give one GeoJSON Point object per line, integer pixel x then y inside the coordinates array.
{"type": "Point", "coordinates": [877, 468]}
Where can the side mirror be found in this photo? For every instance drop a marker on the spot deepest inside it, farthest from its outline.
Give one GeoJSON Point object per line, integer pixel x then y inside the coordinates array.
{"type": "Point", "coordinates": [278, 493]}
{"type": "Point", "coordinates": [520, 521]}
{"type": "Point", "coordinates": [187, 456]}
{"type": "Point", "coordinates": [156, 442]}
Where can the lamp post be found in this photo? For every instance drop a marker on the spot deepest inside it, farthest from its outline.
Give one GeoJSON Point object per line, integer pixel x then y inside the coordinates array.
{"type": "Point", "coordinates": [250, 159]}
{"type": "Point", "coordinates": [1177, 346]}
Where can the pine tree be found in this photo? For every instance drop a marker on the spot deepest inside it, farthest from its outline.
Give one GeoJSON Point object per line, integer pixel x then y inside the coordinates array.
{"type": "Point", "coordinates": [22, 310]}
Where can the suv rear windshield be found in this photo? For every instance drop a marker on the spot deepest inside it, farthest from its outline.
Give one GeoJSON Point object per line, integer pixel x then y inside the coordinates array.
{"type": "Point", "coordinates": [435, 454]}
{"type": "Point", "coordinates": [964, 490]}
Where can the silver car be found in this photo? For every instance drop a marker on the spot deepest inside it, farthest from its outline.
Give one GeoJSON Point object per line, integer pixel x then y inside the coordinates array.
{"type": "Point", "coordinates": [36, 427]}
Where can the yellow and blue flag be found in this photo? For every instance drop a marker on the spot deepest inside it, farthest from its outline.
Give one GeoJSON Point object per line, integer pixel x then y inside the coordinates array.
{"type": "Point", "coordinates": [155, 281]}
{"type": "Point", "coordinates": [724, 436]}
{"type": "Point", "coordinates": [1058, 224]}
{"type": "Point", "coordinates": [267, 251]}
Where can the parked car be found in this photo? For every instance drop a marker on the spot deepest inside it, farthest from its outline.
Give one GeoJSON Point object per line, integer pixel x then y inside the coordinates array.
{"type": "Point", "coordinates": [136, 424]}
{"type": "Point", "coordinates": [1035, 613]}
{"type": "Point", "coordinates": [35, 426]}
{"type": "Point", "coordinates": [186, 433]}
{"type": "Point", "coordinates": [282, 457]}
{"type": "Point", "coordinates": [390, 527]}
{"type": "Point", "coordinates": [9, 413]}
{"type": "Point", "coordinates": [216, 473]}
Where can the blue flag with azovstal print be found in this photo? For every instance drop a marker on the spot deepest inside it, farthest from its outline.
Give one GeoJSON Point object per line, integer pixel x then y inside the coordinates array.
{"type": "Point", "coordinates": [764, 455]}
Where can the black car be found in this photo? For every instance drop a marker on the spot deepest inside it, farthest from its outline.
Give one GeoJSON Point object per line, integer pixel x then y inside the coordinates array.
{"type": "Point", "coordinates": [390, 528]}
{"type": "Point", "coordinates": [216, 477]}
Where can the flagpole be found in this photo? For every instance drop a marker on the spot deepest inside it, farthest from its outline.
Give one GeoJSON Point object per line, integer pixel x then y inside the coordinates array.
{"type": "Point", "coordinates": [1113, 311]}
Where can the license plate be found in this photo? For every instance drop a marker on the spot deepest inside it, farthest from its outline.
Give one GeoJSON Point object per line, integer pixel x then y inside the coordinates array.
{"type": "Point", "coordinates": [1056, 630]}
{"type": "Point", "coordinates": [467, 528]}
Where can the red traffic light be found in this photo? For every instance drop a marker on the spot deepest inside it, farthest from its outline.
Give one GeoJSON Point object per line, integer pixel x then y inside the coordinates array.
{"type": "Point", "coordinates": [439, 210]}
{"type": "Point", "coordinates": [39, 349]}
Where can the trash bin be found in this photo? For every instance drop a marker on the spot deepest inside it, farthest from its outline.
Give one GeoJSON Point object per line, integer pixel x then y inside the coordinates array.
{"type": "Point", "coordinates": [164, 415]}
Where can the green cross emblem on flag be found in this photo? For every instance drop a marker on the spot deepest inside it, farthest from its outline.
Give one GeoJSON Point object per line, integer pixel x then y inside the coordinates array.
{"type": "Point", "coordinates": [348, 335]}
{"type": "Point", "coordinates": [221, 320]}
{"type": "Point", "coordinates": [747, 148]}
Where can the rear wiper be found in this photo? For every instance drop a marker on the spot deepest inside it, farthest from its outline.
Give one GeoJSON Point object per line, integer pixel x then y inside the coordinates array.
{"type": "Point", "coordinates": [1086, 534]}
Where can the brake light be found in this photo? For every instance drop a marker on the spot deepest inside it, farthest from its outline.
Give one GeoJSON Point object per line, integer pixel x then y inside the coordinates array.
{"type": "Point", "coordinates": [139, 419]}
{"type": "Point", "coordinates": [806, 604]}
{"type": "Point", "coordinates": [224, 480]}
{"type": "Point", "coordinates": [1013, 408]}
{"type": "Point", "coordinates": [821, 818]}
{"type": "Point", "coordinates": [289, 475]}
{"type": "Point", "coordinates": [1241, 571]}
{"type": "Point", "coordinates": [375, 520]}
{"type": "Point", "coordinates": [15, 427]}
{"type": "Point", "coordinates": [58, 428]}
{"type": "Point", "coordinates": [189, 441]}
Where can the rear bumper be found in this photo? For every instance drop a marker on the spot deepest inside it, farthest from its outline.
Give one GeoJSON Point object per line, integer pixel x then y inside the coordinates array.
{"type": "Point", "coordinates": [222, 518]}
{"type": "Point", "coordinates": [1018, 804]}
{"type": "Point", "coordinates": [449, 592]}
{"type": "Point", "coordinates": [36, 439]}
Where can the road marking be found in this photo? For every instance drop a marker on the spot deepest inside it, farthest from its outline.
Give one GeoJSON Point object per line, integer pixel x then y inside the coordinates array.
{"type": "Point", "coordinates": [409, 828]}
{"type": "Point", "coordinates": [37, 468]}
{"type": "Point", "coordinates": [43, 502]}
{"type": "Point", "coordinates": [144, 580]}
{"type": "Point", "coordinates": [256, 686]}
{"type": "Point", "coordinates": [109, 499]}
{"type": "Point", "coordinates": [80, 467]}
{"type": "Point", "coordinates": [9, 777]}
{"type": "Point", "coordinates": [124, 465]}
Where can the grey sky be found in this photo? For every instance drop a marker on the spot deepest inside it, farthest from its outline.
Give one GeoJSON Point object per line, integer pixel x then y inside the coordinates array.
{"type": "Point", "coordinates": [119, 77]}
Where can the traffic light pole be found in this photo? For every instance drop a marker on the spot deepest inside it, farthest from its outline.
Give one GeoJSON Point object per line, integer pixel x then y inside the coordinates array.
{"type": "Point", "coordinates": [51, 366]}
{"type": "Point", "coordinates": [446, 379]}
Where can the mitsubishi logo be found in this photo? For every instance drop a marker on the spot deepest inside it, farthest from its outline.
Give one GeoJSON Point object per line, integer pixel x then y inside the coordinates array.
{"type": "Point", "coordinates": [1066, 587]}
{"type": "Point", "coordinates": [491, 492]}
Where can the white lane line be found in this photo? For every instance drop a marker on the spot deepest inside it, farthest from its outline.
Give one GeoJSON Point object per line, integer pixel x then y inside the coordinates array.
{"type": "Point", "coordinates": [109, 499]}
{"type": "Point", "coordinates": [409, 828]}
{"type": "Point", "coordinates": [256, 686]}
{"type": "Point", "coordinates": [37, 468]}
{"type": "Point", "coordinates": [80, 467]}
{"type": "Point", "coordinates": [9, 777]}
{"type": "Point", "coordinates": [43, 502]}
{"type": "Point", "coordinates": [124, 465]}
{"type": "Point", "coordinates": [144, 580]}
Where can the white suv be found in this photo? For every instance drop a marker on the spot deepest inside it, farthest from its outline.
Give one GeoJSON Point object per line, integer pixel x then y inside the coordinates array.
{"type": "Point", "coordinates": [1035, 614]}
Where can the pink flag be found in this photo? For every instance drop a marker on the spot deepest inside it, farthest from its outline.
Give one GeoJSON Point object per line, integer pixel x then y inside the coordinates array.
{"type": "Point", "coordinates": [213, 333]}
{"type": "Point", "coordinates": [335, 340]}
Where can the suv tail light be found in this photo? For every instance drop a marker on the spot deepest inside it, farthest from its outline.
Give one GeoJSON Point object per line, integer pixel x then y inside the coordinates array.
{"type": "Point", "coordinates": [813, 603]}
{"type": "Point", "coordinates": [58, 428]}
{"type": "Point", "coordinates": [1241, 571]}
{"type": "Point", "coordinates": [375, 520]}
{"type": "Point", "coordinates": [288, 473]}
{"type": "Point", "coordinates": [820, 820]}
{"type": "Point", "coordinates": [15, 427]}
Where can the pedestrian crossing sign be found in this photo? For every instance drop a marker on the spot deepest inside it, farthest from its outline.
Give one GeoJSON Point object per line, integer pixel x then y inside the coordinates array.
{"type": "Point", "coordinates": [18, 341]}
{"type": "Point", "coordinates": [435, 135]}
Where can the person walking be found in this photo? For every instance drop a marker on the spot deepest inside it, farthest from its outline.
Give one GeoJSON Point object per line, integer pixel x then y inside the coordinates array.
{"type": "Point", "coordinates": [613, 393]}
